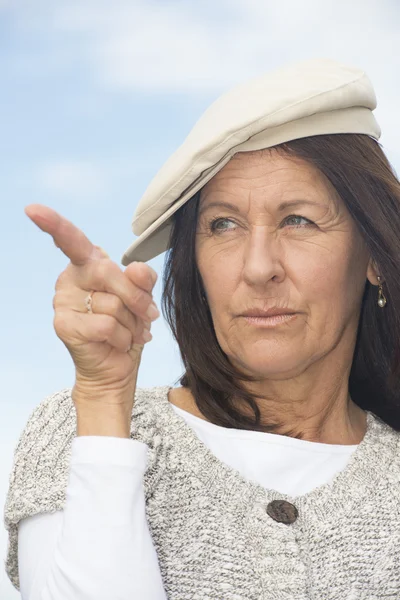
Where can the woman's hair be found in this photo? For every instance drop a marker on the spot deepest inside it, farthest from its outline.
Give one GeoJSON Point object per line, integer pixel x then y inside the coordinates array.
{"type": "Point", "coordinates": [358, 169]}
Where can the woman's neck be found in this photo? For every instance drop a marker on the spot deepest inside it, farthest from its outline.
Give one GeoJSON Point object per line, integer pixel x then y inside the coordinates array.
{"type": "Point", "coordinates": [345, 426]}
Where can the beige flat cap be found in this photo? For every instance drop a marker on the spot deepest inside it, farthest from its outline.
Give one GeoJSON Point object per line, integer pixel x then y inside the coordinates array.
{"type": "Point", "coordinates": [312, 97]}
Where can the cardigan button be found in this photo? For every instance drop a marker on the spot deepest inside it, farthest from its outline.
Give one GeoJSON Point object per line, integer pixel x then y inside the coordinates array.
{"type": "Point", "coordinates": [282, 511]}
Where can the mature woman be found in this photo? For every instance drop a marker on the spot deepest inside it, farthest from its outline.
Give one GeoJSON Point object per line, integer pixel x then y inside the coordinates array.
{"type": "Point", "coordinates": [273, 472]}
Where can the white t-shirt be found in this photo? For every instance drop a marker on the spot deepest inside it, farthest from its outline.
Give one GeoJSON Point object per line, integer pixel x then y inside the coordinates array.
{"type": "Point", "coordinates": [100, 548]}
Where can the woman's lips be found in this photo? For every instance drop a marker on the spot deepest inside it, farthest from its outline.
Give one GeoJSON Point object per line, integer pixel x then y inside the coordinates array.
{"type": "Point", "coordinates": [272, 321]}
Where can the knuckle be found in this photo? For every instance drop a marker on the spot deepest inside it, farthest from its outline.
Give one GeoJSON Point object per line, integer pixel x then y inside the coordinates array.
{"type": "Point", "coordinates": [60, 323]}
{"type": "Point", "coordinates": [104, 269]}
{"type": "Point", "coordinates": [99, 270]}
{"type": "Point", "coordinates": [56, 301]}
{"type": "Point", "coordinates": [139, 299]}
{"type": "Point", "coordinates": [134, 325]}
{"type": "Point", "coordinates": [116, 305]}
{"type": "Point", "coordinates": [97, 273]}
{"type": "Point", "coordinates": [107, 325]}
{"type": "Point", "coordinates": [63, 298]}
{"type": "Point", "coordinates": [61, 280]}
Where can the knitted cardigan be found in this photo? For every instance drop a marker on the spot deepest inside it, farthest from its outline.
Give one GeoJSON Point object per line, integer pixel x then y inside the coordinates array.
{"type": "Point", "coordinates": [213, 535]}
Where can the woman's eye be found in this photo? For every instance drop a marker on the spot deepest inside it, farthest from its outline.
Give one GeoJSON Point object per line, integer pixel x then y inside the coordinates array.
{"type": "Point", "coordinates": [214, 222]}
{"type": "Point", "coordinates": [298, 217]}
{"type": "Point", "coordinates": [213, 226]}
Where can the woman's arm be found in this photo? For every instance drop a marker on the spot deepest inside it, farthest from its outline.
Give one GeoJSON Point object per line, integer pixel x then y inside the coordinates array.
{"type": "Point", "coordinates": [98, 547]}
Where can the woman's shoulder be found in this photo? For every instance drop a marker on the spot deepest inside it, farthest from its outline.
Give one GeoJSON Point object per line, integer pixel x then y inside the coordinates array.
{"type": "Point", "coordinates": [51, 426]}
{"type": "Point", "coordinates": [41, 461]}
{"type": "Point", "coordinates": [42, 452]}
{"type": "Point", "coordinates": [46, 435]}
{"type": "Point", "coordinates": [381, 452]}
{"type": "Point", "coordinates": [151, 413]}
{"type": "Point", "coordinates": [55, 415]}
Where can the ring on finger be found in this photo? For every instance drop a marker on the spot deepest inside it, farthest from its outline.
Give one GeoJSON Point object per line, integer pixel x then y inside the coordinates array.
{"type": "Point", "coordinates": [88, 301]}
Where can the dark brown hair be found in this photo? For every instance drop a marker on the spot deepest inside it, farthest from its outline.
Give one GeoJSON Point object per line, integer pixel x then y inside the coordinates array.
{"type": "Point", "coordinates": [361, 174]}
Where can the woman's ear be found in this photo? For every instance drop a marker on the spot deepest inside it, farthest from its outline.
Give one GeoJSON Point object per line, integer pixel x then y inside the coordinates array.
{"type": "Point", "coordinates": [373, 272]}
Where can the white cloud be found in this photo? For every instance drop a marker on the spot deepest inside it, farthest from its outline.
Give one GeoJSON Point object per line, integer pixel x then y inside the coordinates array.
{"type": "Point", "coordinates": [189, 48]}
{"type": "Point", "coordinates": [72, 179]}
{"type": "Point", "coordinates": [92, 181]}
{"type": "Point", "coordinates": [185, 47]}
{"type": "Point", "coordinates": [143, 46]}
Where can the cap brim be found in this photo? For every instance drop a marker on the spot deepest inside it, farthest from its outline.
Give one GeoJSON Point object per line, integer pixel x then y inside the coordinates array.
{"type": "Point", "coordinates": [155, 239]}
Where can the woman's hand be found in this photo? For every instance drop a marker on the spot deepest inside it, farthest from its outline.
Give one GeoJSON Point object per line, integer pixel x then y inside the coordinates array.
{"type": "Point", "coordinates": [105, 345]}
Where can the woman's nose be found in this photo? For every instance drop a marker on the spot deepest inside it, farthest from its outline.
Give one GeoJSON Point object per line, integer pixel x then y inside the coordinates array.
{"type": "Point", "coordinates": [262, 257]}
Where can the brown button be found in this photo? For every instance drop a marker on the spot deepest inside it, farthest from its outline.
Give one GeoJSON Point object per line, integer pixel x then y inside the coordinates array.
{"type": "Point", "coordinates": [282, 511]}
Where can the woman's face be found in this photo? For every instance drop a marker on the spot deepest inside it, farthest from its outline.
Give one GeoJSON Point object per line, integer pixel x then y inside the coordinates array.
{"type": "Point", "coordinates": [255, 256]}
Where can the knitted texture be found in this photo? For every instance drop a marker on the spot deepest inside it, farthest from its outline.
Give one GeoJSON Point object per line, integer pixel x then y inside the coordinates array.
{"type": "Point", "coordinates": [210, 527]}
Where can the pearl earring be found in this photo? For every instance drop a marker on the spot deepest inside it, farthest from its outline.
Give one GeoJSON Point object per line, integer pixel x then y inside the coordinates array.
{"type": "Point", "coordinates": [381, 297]}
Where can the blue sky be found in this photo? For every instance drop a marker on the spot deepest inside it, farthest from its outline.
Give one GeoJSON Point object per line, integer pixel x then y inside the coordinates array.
{"type": "Point", "coordinates": [94, 98]}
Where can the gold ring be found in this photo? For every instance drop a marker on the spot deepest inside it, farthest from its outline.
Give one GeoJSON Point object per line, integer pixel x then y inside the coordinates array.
{"type": "Point", "coordinates": [88, 301]}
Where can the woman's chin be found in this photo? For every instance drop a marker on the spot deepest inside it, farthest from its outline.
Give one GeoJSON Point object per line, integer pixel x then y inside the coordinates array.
{"type": "Point", "coordinates": [267, 364]}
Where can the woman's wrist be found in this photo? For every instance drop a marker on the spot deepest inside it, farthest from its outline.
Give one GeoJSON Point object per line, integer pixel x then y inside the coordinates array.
{"type": "Point", "coordinates": [98, 419]}
{"type": "Point", "coordinates": [102, 413]}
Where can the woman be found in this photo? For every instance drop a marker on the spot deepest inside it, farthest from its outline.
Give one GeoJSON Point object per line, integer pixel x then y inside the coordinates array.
{"type": "Point", "coordinates": [274, 470]}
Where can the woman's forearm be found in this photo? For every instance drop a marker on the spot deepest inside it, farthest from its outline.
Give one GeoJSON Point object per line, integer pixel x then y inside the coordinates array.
{"type": "Point", "coordinates": [98, 419]}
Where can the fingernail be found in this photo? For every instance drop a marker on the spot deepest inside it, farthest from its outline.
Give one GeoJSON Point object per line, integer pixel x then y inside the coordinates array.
{"type": "Point", "coordinates": [154, 276]}
{"type": "Point", "coordinates": [147, 335]}
{"type": "Point", "coordinates": [153, 312]}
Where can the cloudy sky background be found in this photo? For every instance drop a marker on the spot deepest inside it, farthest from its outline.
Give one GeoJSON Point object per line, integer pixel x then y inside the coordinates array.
{"type": "Point", "coordinates": [94, 98]}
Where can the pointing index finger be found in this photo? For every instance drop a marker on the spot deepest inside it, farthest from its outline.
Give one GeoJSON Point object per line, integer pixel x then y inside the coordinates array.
{"type": "Point", "coordinates": [71, 240]}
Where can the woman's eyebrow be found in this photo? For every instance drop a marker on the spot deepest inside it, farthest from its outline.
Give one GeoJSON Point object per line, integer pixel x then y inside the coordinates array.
{"type": "Point", "coordinates": [282, 206]}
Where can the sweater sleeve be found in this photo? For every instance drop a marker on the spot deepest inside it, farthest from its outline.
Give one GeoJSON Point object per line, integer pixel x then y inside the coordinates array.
{"type": "Point", "coordinates": [41, 468]}
{"type": "Point", "coordinates": [99, 546]}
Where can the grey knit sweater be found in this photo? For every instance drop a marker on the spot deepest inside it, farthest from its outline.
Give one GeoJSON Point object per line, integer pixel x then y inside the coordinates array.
{"type": "Point", "coordinates": [213, 534]}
